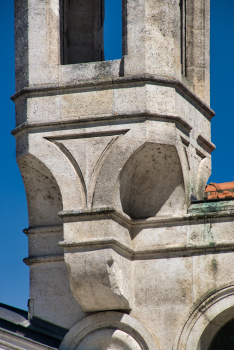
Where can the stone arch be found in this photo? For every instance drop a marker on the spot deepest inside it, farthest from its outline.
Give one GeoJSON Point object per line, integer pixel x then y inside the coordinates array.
{"type": "Point", "coordinates": [107, 186]}
{"type": "Point", "coordinates": [151, 182]}
{"type": "Point", "coordinates": [206, 321]}
{"type": "Point", "coordinates": [43, 195]}
{"type": "Point", "coordinates": [224, 339]}
{"type": "Point", "coordinates": [63, 171]}
{"type": "Point", "coordinates": [104, 191]}
{"type": "Point", "coordinates": [117, 329]}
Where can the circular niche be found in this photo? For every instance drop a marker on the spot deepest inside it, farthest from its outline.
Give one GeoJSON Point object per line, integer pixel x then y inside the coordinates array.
{"type": "Point", "coordinates": [108, 339]}
{"type": "Point", "coordinates": [151, 182]}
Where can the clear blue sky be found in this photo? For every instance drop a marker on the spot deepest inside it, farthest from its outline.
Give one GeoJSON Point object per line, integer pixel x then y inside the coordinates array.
{"type": "Point", "coordinates": [13, 207]}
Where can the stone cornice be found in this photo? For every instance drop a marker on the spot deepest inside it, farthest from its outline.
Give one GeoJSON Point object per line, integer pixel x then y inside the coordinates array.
{"type": "Point", "coordinates": [174, 118]}
{"type": "Point", "coordinates": [137, 254]}
{"type": "Point", "coordinates": [205, 144]}
{"type": "Point", "coordinates": [133, 254]}
{"type": "Point", "coordinates": [43, 229]}
{"type": "Point", "coordinates": [128, 250]}
{"type": "Point", "coordinates": [43, 259]}
{"type": "Point", "coordinates": [142, 78]}
{"type": "Point", "coordinates": [99, 213]}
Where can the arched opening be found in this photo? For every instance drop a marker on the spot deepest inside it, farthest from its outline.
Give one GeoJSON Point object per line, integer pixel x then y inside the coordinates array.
{"type": "Point", "coordinates": [86, 25]}
{"type": "Point", "coordinates": [151, 182]}
{"type": "Point", "coordinates": [81, 31]}
{"type": "Point", "coordinates": [209, 322]}
{"type": "Point", "coordinates": [224, 339]}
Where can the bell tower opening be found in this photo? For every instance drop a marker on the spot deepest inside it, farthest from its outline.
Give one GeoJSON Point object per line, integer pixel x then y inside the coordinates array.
{"type": "Point", "coordinates": [90, 30]}
{"type": "Point", "coordinates": [81, 31]}
{"type": "Point", "coordinates": [113, 28]}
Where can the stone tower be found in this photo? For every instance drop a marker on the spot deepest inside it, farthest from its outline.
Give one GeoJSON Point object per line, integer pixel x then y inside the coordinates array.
{"type": "Point", "coordinates": [115, 156]}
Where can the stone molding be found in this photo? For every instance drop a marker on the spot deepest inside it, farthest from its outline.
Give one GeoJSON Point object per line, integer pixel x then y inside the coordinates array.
{"type": "Point", "coordinates": [42, 229]}
{"type": "Point", "coordinates": [114, 81]}
{"type": "Point", "coordinates": [206, 320]}
{"type": "Point", "coordinates": [187, 250]}
{"type": "Point", "coordinates": [96, 213]}
{"type": "Point", "coordinates": [43, 259]}
{"type": "Point", "coordinates": [178, 250]}
{"type": "Point", "coordinates": [134, 253]}
{"type": "Point", "coordinates": [109, 320]}
{"type": "Point", "coordinates": [144, 115]}
{"type": "Point", "coordinates": [206, 144]}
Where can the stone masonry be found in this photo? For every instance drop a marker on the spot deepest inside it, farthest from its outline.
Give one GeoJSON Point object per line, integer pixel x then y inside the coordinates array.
{"type": "Point", "coordinates": [124, 252]}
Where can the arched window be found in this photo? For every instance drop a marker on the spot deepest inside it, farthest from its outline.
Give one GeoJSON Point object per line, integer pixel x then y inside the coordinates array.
{"type": "Point", "coordinates": [224, 339]}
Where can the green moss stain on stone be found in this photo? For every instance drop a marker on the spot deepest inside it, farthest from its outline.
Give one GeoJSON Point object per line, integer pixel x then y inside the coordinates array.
{"type": "Point", "coordinates": [211, 207]}
{"type": "Point", "coordinates": [214, 266]}
{"type": "Point", "coordinates": [207, 231]}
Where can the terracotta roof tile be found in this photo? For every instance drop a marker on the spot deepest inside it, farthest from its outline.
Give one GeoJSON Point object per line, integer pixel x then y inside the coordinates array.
{"type": "Point", "coordinates": [222, 190]}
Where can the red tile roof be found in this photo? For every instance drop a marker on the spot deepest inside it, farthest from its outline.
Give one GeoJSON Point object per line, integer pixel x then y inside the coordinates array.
{"type": "Point", "coordinates": [223, 190]}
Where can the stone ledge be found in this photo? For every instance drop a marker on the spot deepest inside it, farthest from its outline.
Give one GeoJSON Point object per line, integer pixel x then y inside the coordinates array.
{"type": "Point", "coordinates": [43, 229]}
{"type": "Point", "coordinates": [153, 79]}
{"type": "Point", "coordinates": [204, 143]}
{"type": "Point", "coordinates": [43, 259]}
{"type": "Point", "coordinates": [213, 207]}
{"type": "Point", "coordinates": [109, 242]}
{"type": "Point", "coordinates": [174, 118]}
{"type": "Point", "coordinates": [97, 213]}
{"type": "Point", "coordinates": [188, 249]}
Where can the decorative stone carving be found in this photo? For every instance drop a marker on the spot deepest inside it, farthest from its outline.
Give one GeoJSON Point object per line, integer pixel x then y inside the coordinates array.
{"type": "Point", "coordinates": [99, 279]}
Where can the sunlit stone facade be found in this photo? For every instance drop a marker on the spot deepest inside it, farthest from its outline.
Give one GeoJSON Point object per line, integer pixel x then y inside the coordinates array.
{"type": "Point", "coordinates": [124, 252]}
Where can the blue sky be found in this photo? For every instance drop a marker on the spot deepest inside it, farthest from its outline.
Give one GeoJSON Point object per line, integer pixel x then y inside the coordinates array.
{"type": "Point", "coordinates": [13, 207]}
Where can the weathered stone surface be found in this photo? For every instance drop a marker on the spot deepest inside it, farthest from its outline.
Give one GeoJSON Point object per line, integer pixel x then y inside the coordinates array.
{"type": "Point", "coordinates": [100, 279]}
{"type": "Point", "coordinates": [111, 154]}
{"type": "Point", "coordinates": [105, 329]}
